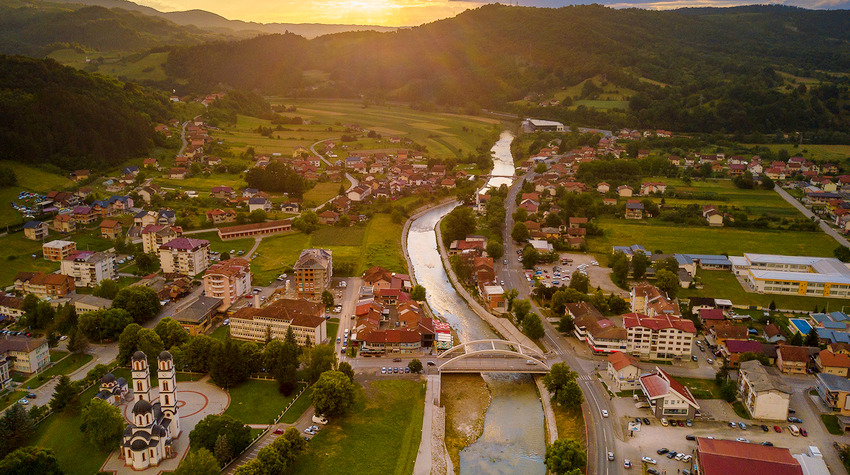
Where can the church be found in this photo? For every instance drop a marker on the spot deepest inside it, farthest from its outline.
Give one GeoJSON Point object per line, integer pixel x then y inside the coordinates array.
{"type": "Point", "coordinates": [149, 438]}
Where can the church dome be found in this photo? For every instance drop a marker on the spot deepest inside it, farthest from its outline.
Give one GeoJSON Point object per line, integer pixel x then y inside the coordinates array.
{"type": "Point", "coordinates": [107, 378]}
{"type": "Point", "coordinates": [139, 356]}
{"type": "Point", "coordinates": [138, 444]}
{"type": "Point", "coordinates": [165, 355]}
{"type": "Point", "coordinates": [142, 407]}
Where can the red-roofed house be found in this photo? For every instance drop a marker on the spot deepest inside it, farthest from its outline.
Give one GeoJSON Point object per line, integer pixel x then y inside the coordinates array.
{"type": "Point", "coordinates": [661, 337]}
{"type": "Point", "coordinates": [792, 359]}
{"type": "Point", "coordinates": [389, 341]}
{"type": "Point", "coordinates": [733, 349]}
{"type": "Point", "coordinates": [667, 397]}
{"type": "Point", "coordinates": [833, 363]}
{"type": "Point", "coordinates": [624, 371]}
{"type": "Point", "coordinates": [730, 457]}
{"type": "Point", "coordinates": [711, 317]}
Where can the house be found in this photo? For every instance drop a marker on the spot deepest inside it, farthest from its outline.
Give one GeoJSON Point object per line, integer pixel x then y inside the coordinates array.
{"type": "Point", "coordinates": [732, 350]}
{"type": "Point", "coordinates": [667, 397]}
{"type": "Point", "coordinates": [834, 392]}
{"type": "Point", "coordinates": [27, 355]}
{"type": "Point", "coordinates": [530, 205]}
{"type": "Point", "coordinates": [576, 222]}
{"type": "Point", "coordinates": [710, 317]}
{"type": "Point", "coordinates": [221, 192]}
{"type": "Point", "coordinates": [291, 207]}
{"type": "Point", "coordinates": [110, 229]}
{"type": "Point", "coordinates": [634, 209]}
{"type": "Point", "coordinates": [218, 216]}
{"type": "Point", "coordinates": [84, 215]}
{"type": "Point", "coordinates": [305, 318]}
{"type": "Point", "coordinates": [58, 250]}
{"type": "Point", "coordinates": [591, 327]}
{"type": "Point", "coordinates": [329, 217]}
{"type": "Point", "coordinates": [792, 359]}
{"type": "Point", "coordinates": [197, 318]}
{"type": "Point", "coordinates": [259, 203]}
{"type": "Point", "coordinates": [624, 371]}
{"type": "Point", "coordinates": [625, 191]}
{"type": "Point", "coordinates": [359, 193]}
{"type": "Point", "coordinates": [833, 363]}
{"type": "Point", "coordinates": [177, 173]}
{"type": "Point", "coordinates": [603, 187]}
{"type": "Point", "coordinates": [64, 223]}
{"type": "Point", "coordinates": [494, 297]}
{"type": "Point", "coordinates": [11, 307]}
{"type": "Point", "coordinates": [731, 457]}
{"type": "Point", "coordinates": [312, 273]}
{"type": "Point", "coordinates": [184, 256]}
{"type": "Point", "coordinates": [772, 334]}
{"type": "Point", "coordinates": [390, 341]}
{"type": "Point", "coordinates": [727, 331]}
{"type": "Point", "coordinates": [713, 217]}
{"type": "Point", "coordinates": [44, 285]}
{"type": "Point", "coordinates": [35, 230]}
{"type": "Point", "coordinates": [763, 393]}
{"type": "Point", "coordinates": [378, 277]}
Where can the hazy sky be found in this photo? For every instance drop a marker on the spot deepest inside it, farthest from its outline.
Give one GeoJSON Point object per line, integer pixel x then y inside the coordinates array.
{"type": "Point", "coordinates": [412, 12]}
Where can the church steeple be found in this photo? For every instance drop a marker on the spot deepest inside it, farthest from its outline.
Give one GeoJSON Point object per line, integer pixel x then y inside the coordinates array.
{"type": "Point", "coordinates": [141, 377]}
{"type": "Point", "coordinates": [168, 391]}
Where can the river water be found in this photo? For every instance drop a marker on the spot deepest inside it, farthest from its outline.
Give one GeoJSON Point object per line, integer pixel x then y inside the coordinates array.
{"type": "Point", "coordinates": [513, 441]}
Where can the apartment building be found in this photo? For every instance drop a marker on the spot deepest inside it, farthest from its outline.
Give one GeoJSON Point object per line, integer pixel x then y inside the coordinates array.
{"type": "Point", "coordinates": [313, 272]}
{"type": "Point", "coordinates": [58, 250]}
{"type": "Point", "coordinates": [762, 391]}
{"type": "Point", "coordinates": [304, 317]}
{"type": "Point", "coordinates": [651, 301]}
{"type": "Point", "coordinates": [185, 256]}
{"type": "Point", "coordinates": [11, 306]}
{"type": "Point", "coordinates": [155, 235]}
{"type": "Point", "coordinates": [228, 280]}
{"type": "Point", "coordinates": [661, 337]}
{"type": "Point", "coordinates": [27, 355]}
{"type": "Point", "coordinates": [44, 285]}
{"type": "Point", "coordinates": [89, 268]}
{"type": "Point", "coordinates": [591, 327]}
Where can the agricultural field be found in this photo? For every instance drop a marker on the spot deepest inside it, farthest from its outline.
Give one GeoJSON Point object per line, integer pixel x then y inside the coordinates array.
{"type": "Point", "coordinates": [754, 202]}
{"type": "Point", "coordinates": [17, 253]}
{"type": "Point", "coordinates": [707, 240]}
{"type": "Point", "coordinates": [133, 66]}
{"type": "Point", "coordinates": [29, 179]}
{"type": "Point", "coordinates": [611, 97]}
{"type": "Point", "coordinates": [323, 192]}
{"type": "Point", "coordinates": [724, 285]}
{"type": "Point", "coordinates": [816, 152]}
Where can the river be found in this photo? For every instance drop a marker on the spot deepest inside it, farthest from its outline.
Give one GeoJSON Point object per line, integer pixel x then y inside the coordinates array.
{"type": "Point", "coordinates": [513, 440]}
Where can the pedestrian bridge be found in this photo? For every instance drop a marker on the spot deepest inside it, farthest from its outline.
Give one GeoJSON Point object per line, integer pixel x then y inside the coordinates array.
{"type": "Point", "coordinates": [492, 356]}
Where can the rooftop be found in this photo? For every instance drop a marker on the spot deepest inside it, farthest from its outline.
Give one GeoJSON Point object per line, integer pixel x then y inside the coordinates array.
{"type": "Point", "coordinates": [730, 457]}
{"type": "Point", "coordinates": [762, 378]}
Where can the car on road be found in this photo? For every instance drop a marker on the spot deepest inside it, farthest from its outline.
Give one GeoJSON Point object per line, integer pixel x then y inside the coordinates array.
{"type": "Point", "coordinates": [733, 425]}
{"type": "Point", "coordinates": [742, 439]}
{"type": "Point", "coordinates": [646, 421]}
{"type": "Point", "coordinates": [648, 460]}
{"type": "Point", "coordinates": [710, 361]}
{"type": "Point", "coordinates": [530, 362]}
{"type": "Point", "coordinates": [791, 411]}
{"type": "Point", "coordinates": [803, 432]}
{"type": "Point", "coordinates": [278, 431]}
{"type": "Point", "coordinates": [24, 401]}
{"type": "Point", "coordinates": [662, 451]}
{"type": "Point", "coordinates": [431, 363]}
{"type": "Point", "coordinates": [604, 413]}
{"type": "Point", "coordinates": [652, 471]}
{"type": "Point", "coordinates": [396, 360]}
{"type": "Point", "coordinates": [627, 463]}
{"type": "Point", "coordinates": [610, 456]}
{"type": "Point", "coordinates": [31, 396]}
{"type": "Point", "coordinates": [795, 420]}
{"type": "Point", "coordinates": [690, 437]}
{"type": "Point", "coordinates": [765, 428]}
{"type": "Point", "coordinates": [742, 426]}
{"type": "Point", "coordinates": [506, 262]}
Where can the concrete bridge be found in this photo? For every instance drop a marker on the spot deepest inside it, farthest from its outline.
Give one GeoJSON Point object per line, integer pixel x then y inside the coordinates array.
{"type": "Point", "coordinates": [492, 356]}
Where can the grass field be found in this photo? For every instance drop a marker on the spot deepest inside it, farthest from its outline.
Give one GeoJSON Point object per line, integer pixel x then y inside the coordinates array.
{"type": "Point", "coordinates": [669, 238]}
{"type": "Point", "coordinates": [602, 104]}
{"type": "Point", "coordinates": [831, 423]}
{"type": "Point", "coordinates": [818, 152]}
{"type": "Point", "coordinates": [701, 388]}
{"type": "Point", "coordinates": [753, 202]}
{"type": "Point", "coordinates": [203, 184]}
{"type": "Point", "coordinates": [257, 402]}
{"type": "Point", "coordinates": [16, 251]}
{"type": "Point", "coordinates": [56, 355]}
{"type": "Point", "coordinates": [301, 404]}
{"type": "Point", "coordinates": [323, 192]}
{"type": "Point", "coordinates": [65, 366]}
{"type": "Point", "coordinates": [380, 435]}
{"type": "Point", "coordinates": [724, 285]}
{"type": "Point", "coordinates": [29, 179]}
{"type": "Point", "coordinates": [61, 434]}
{"type": "Point", "coordinates": [217, 245]}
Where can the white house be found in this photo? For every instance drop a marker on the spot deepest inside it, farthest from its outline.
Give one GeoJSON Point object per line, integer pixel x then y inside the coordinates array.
{"type": "Point", "coordinates": [624, 371]}
{"type": "Point", "coordinates": [764, 394]}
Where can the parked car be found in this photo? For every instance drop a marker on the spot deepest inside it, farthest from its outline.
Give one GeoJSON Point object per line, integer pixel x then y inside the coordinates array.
{"type": "Point", "coordinates": [648, 460]}
{"type": "Point", "coordinates": [24, 401]}
{"type": "Point", "coordinates": [396, 360]}
{"type": "Point", "coordinates": [803, 432]}
{"type": "Point", "coordinates": [278, 431]}
{"type": "Point", "coordinates": [646, 421]}
{"type": "Point", "coordinates": [672, 454]}
{"type": "Point", "coordinates": [742, 426]}
{"type": "Point", "coordinates": [31, 396]}
{"type": "Point", "coordinates": [795, 420]}
{"type": "Point", "coordinates": [627, 463]}
{"type": "Point", "coordinates": [777, 429]}
{"type": "Point", "coordinates": [765, 428]}
{"type": "Point", "coordinates": [652, 471]}
{"type": "Point", "coordinates": [383, 370]}
{"type": "Point", "coordinates": [690, 437]}
{"type": "Point", "coordinates": [689, 422]}
{"type": "Point", "coordinates": [431, 363]}
{"type": "Point", "coordinates": [741, 439]}
{"type": "Point", "coordinates": [662, 451]}
{"type": "Point", "coordinates": [319, 419]}
{"type": "Point", "coordinates": [664, 422]}
{"type": "Point", "coordinates": [767, 443]}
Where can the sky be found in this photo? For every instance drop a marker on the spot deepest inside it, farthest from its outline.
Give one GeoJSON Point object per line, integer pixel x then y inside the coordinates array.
{"type": "Point", "coordinates": [415, 12]}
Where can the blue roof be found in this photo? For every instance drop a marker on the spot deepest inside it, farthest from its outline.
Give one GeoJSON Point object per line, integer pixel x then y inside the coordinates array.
{"type": "Point", "coordinates": [711, 259]}
{"type": "Point", "coordinates": [32, 224]}
{"type": "Point", "coordinates": [683, 259]}
{"type": "Point", "coordinates": [835, 325]}
{"type": "Point", "coordinates": [839, 316]}
{"type": "Point", "coordinates": [821, 317]}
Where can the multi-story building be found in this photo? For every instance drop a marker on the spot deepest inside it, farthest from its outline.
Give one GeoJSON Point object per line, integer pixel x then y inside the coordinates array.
{"type": "Point", "coordinates": [304, 317]}
{"type": "Point", "coordinates": [651, 301]}
{"type": "Point", "coordinates": [661, 337]}
{"type": "Point", "coordinates": [833, 363]}
{"type": "Point", "coordinates": [89, 268]}
{"type": "Point", "coordinates": [228, 280]}
{"type": "Point", "coordinates": [11, 306]}
{"type": "Point", "coordinates": [155, 235]}
{"type": "Point", "coordinates": [313, 272]}
{"type": "Point", "coordinates": [624, 371]}
{"type": "Point", "coordinates": [197, 317]}
{"type": "Point", "coordinates": [731, 457]}
{"type": "Point", "coordinates": [600, 334]}
{"type": "Point", "coordinates": [794, 275]}
{"type": "Point", "coordinates": [834, 391]}
{"type": "Point", "coordinates": [58, 250]}
{"type": "Point", "coordinates": [668, 397]}
{"type": "Point", "coordinates": [28, 355]}
{"type": "Point", "coordinates": [764, 394]}
{"type": "Point", "coordinates": [5, 376]}
{"type": "Point", "coordinates": [184, 256]}
{"type": "Point", "coordinates": [792, 359]}
{"type": "Point", "coordinates": [44, 285]}
{"type": "Point", "coordinates": [35, 230]}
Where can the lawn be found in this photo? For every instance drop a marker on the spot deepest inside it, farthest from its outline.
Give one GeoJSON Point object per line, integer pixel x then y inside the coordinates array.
{"type": "Point", "coordinates": [17, 252]}
{"type": "Point", "coordinates": [754, 202]}
{"type": "Point", "coordinates": [29, 179]}
{"type": "Point", "coordinates": [330, 236]}
{"type": "Point", "coordinates": [257, 402]}
{"type": "Point", "coordinates": [332, 327]}
{"type": "Point", "coordinates": [701, 388]}
{"type": "Point", "coordinates": [380, 435]}
{"type": "Point", "coordinates": [66, 366]}
{"type": "Point", "coordinates": [90, 240]}
{"type": "Point", "coordinates": [217, 245]}
{"type": "Point", "coordinates": [670, 238]}
{"type": "Point", "coordinates": [301, 404]}
{"type": "Point", "coordinates": [831, 423]}
{"type": "Point", "coordinates": [61, 434]}
{"type": "Point", "coordinates": [221, 332]}
{"type": "Point", "coordinates": [724, 285]}
{"type": "Point", "coordinates": [56, 355]}
{"type": "Point", "coordinates": [322, 192]}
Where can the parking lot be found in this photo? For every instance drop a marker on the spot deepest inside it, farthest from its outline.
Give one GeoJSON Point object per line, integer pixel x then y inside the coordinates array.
{"type": "Point", "coordinates": [558, 274]}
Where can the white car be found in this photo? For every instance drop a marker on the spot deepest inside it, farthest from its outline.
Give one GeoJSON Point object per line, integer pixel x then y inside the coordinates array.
{"type": "Point", "coordinates": [610, 456]}
{"type": "Point", "coordinates": [741, 439]}
{"type": "Point", "coordinates": [319, 419]}
{"type": "Point", "coordinates": [648, 460]}
{"type": "Point", "coordinates": [24, 401]}
{"type": "Point", "coordinates": [604, 413]}
{"type": "Point", "coordinates": [627, 463]}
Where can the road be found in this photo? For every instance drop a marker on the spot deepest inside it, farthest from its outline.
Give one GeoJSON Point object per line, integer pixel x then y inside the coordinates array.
{"type": "Point", "coordinates": [807, 213]}
{"type": "Point", "coordinates": [183, 138]}
{"type": "Point", "coordinates": [354, 181]}
{"type": "Point", "coordinates": [600, 430]}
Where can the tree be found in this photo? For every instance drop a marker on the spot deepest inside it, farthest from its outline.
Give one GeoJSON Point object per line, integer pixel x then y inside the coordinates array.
{"type": "Point", "coordinates": [561, 382]}
{"type": "Point", "coordinates": [228, 369]}
{"type": "Point", "coordinates": [225, 256]}
{"type": "Point", "coordinates": [566, 324]}
{"type": "Point", "coordinates": [64, 394]}
{"type": "Point", "coordinates": [796, 339]}
{"type": "Point", "coordinates": [415, 365]}
{"type": "Point", "coordinates": [333, 394]}
{"type": "Point", "coordinates": [640, 262]}
{"type": "Point", "coordinates": [106, 288]}
{"type": "Point", "coordinates": [668, 282]}
{"type": "Point", "coordinates": [668, 263]}
{"type": "Point", "coordinates": [104, 324]}
{"type": "Point", "coordinates": [418, 293]}
{"type": "Point", "coordinates": [772, 305]}
{"type": "Point", "coordinates": [533, 327]}
{"type": "Point", "coordinates": [30, 459]}
{"type": "Point", "coordinates": [16, 428]}
{"type": "Point", "coordinates": [565, 457]}
{"type": "Point", "coordinates": [580, 282]}
{"type": "Point", "coordinates": [812, 338]}
{"type": "Point", "coordinates": [530, 257]}
{"type": "Point", "coordinates": [346, 369]}
{"type": "Point", "coordinates": [749, 355]}
{"type": "Point", "coordinates": [520, 232]}
{"type": "Point", "coordinates": [495, 249]}
{"type": "Point", "coordinates": [78, 343]}
{"type": "Point", "coordinates": [619, 268]}
{"type": "Point", "coordinates": [521, 309]}
{"type": "Point", "coordinates": [146, 263]}
{"type": "Point", "coordinates": [223, 452]}
{"type": "Point", "coordinates": [510, 296]}
{"type": "Point", "coordinates": [150, 344]}
{"type": "Point", "coordinates": [210, 428]}
{"type": "Point", "coordinates": [199, 352]}
{"type": "Point", "coordinates": [767, 182]}
{"type": "Point", "coordinates": [319, 359]}
{"type": "Point", "coordinates": [327, 299]}
{"type": "Point", "coordinates": [128, 343]}
{"type": "Point", "coordinates": [257, 216]}
{"type": "Point", "coordinates": [458, 224]}
{"type": "Point", "coordinates": [103, 424]}
{"type": "Point", "coordinates": [842, 253]}
{"type": "Point", "coordinates": [140, 302]}
{"type": "Point", "coordinates": [289, 445]}
{"type": "Point", "coordinates": [171, 333]}
{"type": "Point", "coordinates": [198, 462]}
{"type": "Point", "coordinates": [307, 222]}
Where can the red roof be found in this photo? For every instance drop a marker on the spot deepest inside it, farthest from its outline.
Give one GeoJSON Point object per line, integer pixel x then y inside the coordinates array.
{"type": "Point", "coordinates": [743, 346]}
{"type": "Point", "coordinates": [658, 322]}
{"type": "Point", "coordinates": [391, 336]}
{"type": "Point", "coordinates": [711, 314]}
{"type": "Point", "coordinates": [620, 360]}
{"type": "Point", "coordinates": [730, 457]}
{"type": "Point", "coordinates": [659, 384]}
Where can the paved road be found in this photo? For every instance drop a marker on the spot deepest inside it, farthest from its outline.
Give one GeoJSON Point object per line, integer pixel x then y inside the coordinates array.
{"type": "Point", "coordinates": [354, 181]}
{"type": "Point", "coordinates": [807, 213]}
{"type": "Point", "coordinates": [183, 138]}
